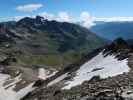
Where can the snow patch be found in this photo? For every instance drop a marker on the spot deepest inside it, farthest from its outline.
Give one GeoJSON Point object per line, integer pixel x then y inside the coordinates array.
{"type": "Point", "coordinates": [127, 93]}
{"type": "Point", "coordinates": [109, 65]}
{"type": "Point", "coordinates": [44, 74]}
{"type": "Point", "coordinates": [23, 92]}
{"type": "Point", "coordinates": [7, 91]}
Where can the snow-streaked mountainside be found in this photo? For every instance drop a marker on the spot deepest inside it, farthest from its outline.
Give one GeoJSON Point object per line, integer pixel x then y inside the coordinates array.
{"type": "Point", "coordinates": [100, 65]}
{"type": "Point", "coordinates": [101, 71]}
{"type": "Point", "coordinates": [109, 65]}
{"type": "Point", "coordinates": [7, 91]}
{"type": "Point", "coordinates": [16, 87]}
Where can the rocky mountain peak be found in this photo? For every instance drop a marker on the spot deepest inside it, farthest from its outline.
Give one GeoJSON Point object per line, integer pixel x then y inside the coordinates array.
{"type": "Point", "coordinates": [39, 18]}
{"type": "Point", "coordinates": [120, 41]}
{"type": "Point", "coordinates": [118, 45]}
{"type": "Point", "coordinates": [32, 21]}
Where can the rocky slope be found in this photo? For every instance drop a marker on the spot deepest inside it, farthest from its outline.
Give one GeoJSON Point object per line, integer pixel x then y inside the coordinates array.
{"type": "Point", "coordinates": [104, 74]}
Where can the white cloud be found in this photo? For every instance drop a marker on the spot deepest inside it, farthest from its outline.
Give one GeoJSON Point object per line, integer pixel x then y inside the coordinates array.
{"type": "Point", "coordinates": [114, 19]}
{"type": "Point", "coordinates": [86, 19]}
{"type": "Point", "coordinates": [48, 16]}
{"type": "Point", "coordinates": [64, 17]}
{"type": "Point", "coordinates": [61, 16]}
{"type": "Point", "coordinates": [29, 7]}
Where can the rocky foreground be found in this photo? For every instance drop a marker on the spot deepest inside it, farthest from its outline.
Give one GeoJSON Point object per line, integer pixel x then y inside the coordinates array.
{"type": "Point", "coordinates": [104, 74]}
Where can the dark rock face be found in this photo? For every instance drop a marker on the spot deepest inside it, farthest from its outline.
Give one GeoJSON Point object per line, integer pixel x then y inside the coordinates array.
{"type": "Point", "coordinates": [119, 48]}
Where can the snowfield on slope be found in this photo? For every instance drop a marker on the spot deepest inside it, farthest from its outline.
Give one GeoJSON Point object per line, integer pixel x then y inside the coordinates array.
{"type": "Point", "coordinates": [98, 66]}
{"type": "Point", "coordinates": [7, 91]}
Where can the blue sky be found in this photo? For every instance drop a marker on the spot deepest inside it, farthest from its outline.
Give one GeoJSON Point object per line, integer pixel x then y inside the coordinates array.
{"type": "Point", "coordinates": [95, 7]}
{"type": "Point", "coordinates": [74, 8]}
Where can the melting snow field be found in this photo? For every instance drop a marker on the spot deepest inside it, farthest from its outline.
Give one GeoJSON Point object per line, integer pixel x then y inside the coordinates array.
{"type": "Point", "coordinates": [109, 66]}
{"type": "Point", "coordinates": [7, 92]}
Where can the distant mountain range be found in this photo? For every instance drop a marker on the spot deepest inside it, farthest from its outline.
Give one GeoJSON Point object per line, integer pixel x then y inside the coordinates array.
{"type": "Point", "coordinates": [113, 30]}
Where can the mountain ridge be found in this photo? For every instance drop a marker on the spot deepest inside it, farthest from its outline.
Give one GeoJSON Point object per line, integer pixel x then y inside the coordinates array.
{"type": "Point", "coordinates": [38, 36]}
